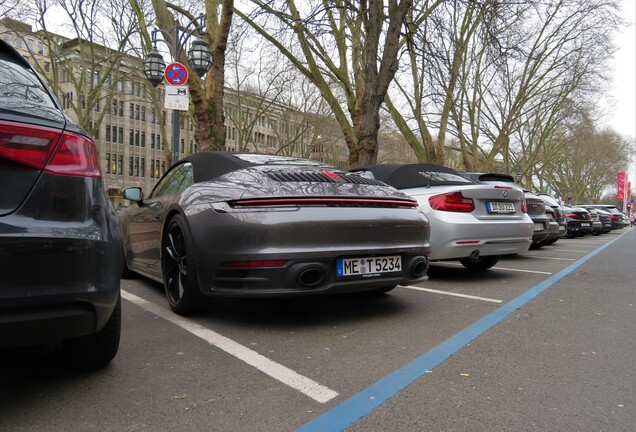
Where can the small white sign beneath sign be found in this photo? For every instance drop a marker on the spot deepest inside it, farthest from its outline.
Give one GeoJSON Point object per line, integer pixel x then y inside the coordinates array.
{"type": "Point", "coordinates": [177, 98]}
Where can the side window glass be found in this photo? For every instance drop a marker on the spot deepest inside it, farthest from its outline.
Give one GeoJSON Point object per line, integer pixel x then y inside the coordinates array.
{"type": "Point", "coordinates": [169, 184]}
{"type": "Point", "coordinates": [188, 177]}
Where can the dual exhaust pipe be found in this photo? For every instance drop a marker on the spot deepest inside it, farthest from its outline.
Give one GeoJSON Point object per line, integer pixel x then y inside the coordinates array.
{"type": "Point", "coordinates": [314, 275]}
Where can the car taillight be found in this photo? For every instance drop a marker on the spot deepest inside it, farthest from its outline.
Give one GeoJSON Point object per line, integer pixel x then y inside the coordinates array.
{"type": "Point", "coordinates": [323, 202]}
{"type": "Point", "coordinates": [524, 206]}
{"type": "Point", "coordinates": [49, 149]}
{"type": "Point", "coordinates": [571, 215]}
{"type": "Point", "coordinates": [452, 202]}
{"type": "Point", "coordinates": [613, 217]}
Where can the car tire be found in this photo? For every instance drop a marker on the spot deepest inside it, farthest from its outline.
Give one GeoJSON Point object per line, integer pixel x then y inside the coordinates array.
{"type": "Point", "coordinates": [94, 350]}
{"type": "Point", "coordinates": [538, 245]}
{"type": "Point", "coordinates": [481, 263]}
{"type": "Point", "coordinates": [178, 268]}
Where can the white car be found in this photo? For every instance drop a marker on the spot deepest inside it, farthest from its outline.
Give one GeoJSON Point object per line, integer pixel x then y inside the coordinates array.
{"type": "Point", "coordinates": [470, 222]}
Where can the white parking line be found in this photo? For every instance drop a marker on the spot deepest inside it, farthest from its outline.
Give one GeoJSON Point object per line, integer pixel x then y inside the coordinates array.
{"type": "Point", "coordinates": [468, 296]}
{"type": "Point", "coordinates": [553, 258]}
{"type": "Point", "coordinates": [279, 372]}
{"type": "Point", "coordinates": [498, 268]}
{"type": "Point", "coordinates": [569, 250]}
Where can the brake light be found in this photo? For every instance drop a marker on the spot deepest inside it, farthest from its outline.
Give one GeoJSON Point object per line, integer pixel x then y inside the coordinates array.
{"type": "Point", "coordinates": [452, 202]}
{"type": "Point", "coordinates": [26, 144]}
{"type": "Point", "coordinates": [571, 215]}
{"type": "Point", "coordinates": [52, 150]}
{"type": "Point", "coordinates": [524, 206]}
{"type": "Point", "coordinates": [323, 202]}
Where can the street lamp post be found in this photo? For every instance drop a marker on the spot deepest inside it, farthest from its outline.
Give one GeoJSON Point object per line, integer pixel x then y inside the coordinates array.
{"type": "Point", "coordinates": [200, 58]}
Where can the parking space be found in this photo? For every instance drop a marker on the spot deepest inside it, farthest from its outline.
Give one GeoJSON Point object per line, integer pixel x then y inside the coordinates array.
{"type": "Point", "coordinates": [286, 360]}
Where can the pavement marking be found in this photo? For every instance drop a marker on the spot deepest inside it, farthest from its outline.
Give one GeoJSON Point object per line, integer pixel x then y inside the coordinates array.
{"type": "Point", "coordinates": [500, 268]}
{"type": "Point", "coordinates": [569, 250]}
{"type": "Point", "coordinates": [359, 405]}
{"type": "Point", "coordinates": [553, 258]}
{"type": "Point", "coordinates": [468, 296]}
{"type": "Point", "coordinates": [275, 370]}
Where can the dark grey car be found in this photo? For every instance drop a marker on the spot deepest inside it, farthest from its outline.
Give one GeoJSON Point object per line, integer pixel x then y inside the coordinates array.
{"type": "Point", "coordinates": [60, 240]}
{"type": "Point", "coordinates": [254, 225]}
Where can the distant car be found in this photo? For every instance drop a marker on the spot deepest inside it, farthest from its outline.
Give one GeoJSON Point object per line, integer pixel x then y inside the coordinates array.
{"type": "Point", "coordinates": [534, 205]}
{"type": "Point", "coordinates": [470, 222]}
{"type": "Point", "coordinates": [597, 225]}
{"type": "Point", "coordinates": [605, 219]}
{"type": "Point", "coordinates": [553, 227]}
{"type": "Point", "coordinates": [60, 239]}
{"type": "Point", "coordinates": [551, 202]}
{"type": "Point", "coordinates": [537, 211]}
{"type": "Point", "coordinates": [257, 225]}
{"type": "Point", "coordinates": [618, 222]}
{"type": "Point", "coordinates": [579, 221]}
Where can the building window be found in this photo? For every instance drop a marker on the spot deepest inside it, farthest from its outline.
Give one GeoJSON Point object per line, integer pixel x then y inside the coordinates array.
{"type": "Point", "coordinates": [132, 110]}
{"type": "Point", "coordinates": [130, 165]}
{"type": "Point", "coordinates": [47, 66]}
{"type": "Point", "coordinates": [152, 140]}
{"type": "Point", "coordinates": [136, 167]}
{"type": "Point", "coordinates": [107, 138]}
{"type": "Point", "coordinates": [131, 137]}
{"type": "Point", "coordinates": [143, 113]}
{"type": "Point", "coordinates": [163, 167]}
{"type": "Point", "coordinates": [40, 48]}
{"type": "Point", "coordinates": [182, 145]}
{"type": "Point", "coordinates": [152, 168]}
{"type": "Point", "coordinates": [121, 108]}
{"type": "Point", "coordinates": [120, 164]}
{"type": "Point", "coordinates": [107, 163]}
{"type": "Point", "coordinates": [121, 135]}
{"type": "Point", "coordinates": [143, 138]}
{"type": "Point", "coordinates": [143, 167]}
{"type": "Point", "coordinates": [97, 105]}
{"type": "Point", "coordinates": [136, 112]}
{"type": "Point", "coordinates": [137, 138]}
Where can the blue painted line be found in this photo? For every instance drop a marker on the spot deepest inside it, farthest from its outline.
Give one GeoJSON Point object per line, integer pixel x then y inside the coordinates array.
{"type": "Point", "coordinates": [348, 412]}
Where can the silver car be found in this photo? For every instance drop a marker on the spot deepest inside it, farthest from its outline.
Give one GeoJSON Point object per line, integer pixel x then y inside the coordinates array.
{"type": "Point", "coordinates": [472, 223]}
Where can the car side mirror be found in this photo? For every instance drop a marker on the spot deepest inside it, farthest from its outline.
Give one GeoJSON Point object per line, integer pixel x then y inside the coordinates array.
{"type": "Point", "coordinates": [133, 194]}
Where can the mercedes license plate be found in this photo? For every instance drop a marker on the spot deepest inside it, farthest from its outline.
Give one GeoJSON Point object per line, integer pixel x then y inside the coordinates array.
{"type": "Point", "coordinates": [368, 267]}
{"type": "Point", "coordinates": [500, 207]}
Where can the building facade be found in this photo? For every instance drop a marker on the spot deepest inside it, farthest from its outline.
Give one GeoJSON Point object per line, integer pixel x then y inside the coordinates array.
{"type": "Point", "coordinates": [107, 93]}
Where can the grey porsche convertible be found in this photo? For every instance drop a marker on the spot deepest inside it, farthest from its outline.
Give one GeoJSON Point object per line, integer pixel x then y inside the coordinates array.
{"type": "Point", "coordinates": [250, 225]}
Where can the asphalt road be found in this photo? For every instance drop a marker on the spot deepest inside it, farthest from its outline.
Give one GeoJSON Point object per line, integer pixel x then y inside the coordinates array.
{"type": "Point", "coordinates": [545, 341]}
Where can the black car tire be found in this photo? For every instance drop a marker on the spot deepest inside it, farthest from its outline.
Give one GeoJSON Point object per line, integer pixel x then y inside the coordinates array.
{"type": "Point", "coordinates": [178, 267]}
{"type": "Point", "coordinates": [481, 263]}
{"type": "Point", "coordinates": [551, 241]}
{"type": "Point", "coordinates": [538, 245]}
{"type": "Point", "coordinates": [94, 350]}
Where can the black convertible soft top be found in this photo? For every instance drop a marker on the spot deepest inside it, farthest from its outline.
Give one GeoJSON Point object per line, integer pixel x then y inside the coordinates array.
{"type": "Point", "coordinates": [415, 175]}
{"type": "Point", "coordinates": [210, 165]}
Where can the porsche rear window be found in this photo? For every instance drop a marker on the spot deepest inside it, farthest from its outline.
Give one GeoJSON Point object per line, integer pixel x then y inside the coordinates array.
{"type": "Point", "coordinates": [266, 159]}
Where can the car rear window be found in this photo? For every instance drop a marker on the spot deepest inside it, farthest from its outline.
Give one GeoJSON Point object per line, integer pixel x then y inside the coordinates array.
{"type": "Point", "coordinates": [19, 84]}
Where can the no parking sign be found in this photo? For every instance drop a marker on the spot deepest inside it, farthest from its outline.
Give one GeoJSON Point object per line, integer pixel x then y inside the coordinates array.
{"type": "Point", "coordinates": [176, 74]}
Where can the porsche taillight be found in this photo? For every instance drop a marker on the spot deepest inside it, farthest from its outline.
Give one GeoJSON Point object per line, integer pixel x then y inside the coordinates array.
{"type": "Point", "coordinates": [48, 149]}
{"type": "Point", "coordinates": [452, 202]}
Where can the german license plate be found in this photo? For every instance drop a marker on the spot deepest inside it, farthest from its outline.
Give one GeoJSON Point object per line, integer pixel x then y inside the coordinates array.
{"type": "Point", "coordinates": [500, 207]}
{"type": "Point", "coordinates": [368, 267]}
{"type": "Point", "coordinates": [585, 224]}
{"type": "Point", "coordinates": [538, 227]}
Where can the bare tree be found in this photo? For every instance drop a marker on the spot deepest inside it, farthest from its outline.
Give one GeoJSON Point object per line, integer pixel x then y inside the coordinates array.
{"type": "Point", "coordinates": [206, 94]}
{"type": "Point", "coordinates": [347, 49]}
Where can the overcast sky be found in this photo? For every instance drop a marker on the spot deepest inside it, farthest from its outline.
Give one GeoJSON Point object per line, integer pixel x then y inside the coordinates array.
{"type": "Point", "coordinates": [623, 116]}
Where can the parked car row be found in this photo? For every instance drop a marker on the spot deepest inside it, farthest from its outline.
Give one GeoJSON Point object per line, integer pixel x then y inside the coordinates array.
{"type": "Point", "coordinates": [223, 224]}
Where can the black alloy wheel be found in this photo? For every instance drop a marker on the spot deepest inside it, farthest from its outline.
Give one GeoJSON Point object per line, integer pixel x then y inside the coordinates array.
{"type": "Point", "coordinates": [179, 272]}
